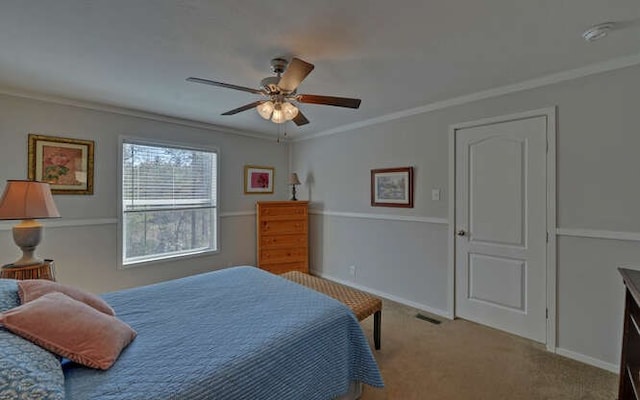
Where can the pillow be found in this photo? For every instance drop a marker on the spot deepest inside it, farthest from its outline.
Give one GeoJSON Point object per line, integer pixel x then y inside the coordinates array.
{"type": "Point", "coordinates": [28, 371]}
{"type": "Point", "coordinates": [32, 289]}
{"type": "Point", "coordinates": [8, 294]}
{"type": "Point", "coordinates": [71, 329]}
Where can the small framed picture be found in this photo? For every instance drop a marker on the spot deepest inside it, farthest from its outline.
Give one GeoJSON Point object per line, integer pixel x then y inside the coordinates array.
{"type": "Point", "coordinates": [392, 187]}
{"type": "Point", "coordinates": [258, 180]}
{"type": "Point", "coordinates": [66, 164]}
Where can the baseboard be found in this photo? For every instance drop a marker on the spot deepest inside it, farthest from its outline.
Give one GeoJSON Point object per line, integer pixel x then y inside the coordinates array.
{"type": "Point", "coordinates": [560, 351]}
{"type": "Point", "coordinates": [409, 303]}
{"type": "Point", "coordinates": [588, 360]}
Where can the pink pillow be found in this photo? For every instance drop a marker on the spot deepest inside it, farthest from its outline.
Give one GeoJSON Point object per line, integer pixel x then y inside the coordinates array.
{"type": "Point", "coordinates": [30, 290]}
{"type": "Point", "coordinates": [71, 329]}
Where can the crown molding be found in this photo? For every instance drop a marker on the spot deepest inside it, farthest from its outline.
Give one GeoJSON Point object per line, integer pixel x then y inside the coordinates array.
{"type": "Point", "coordinates": [131, 113]}
{"type": "Point", "coordinates": [606, 66]}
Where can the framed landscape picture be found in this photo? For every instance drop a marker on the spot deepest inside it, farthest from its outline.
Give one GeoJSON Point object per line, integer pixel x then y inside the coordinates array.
{"type": "Point", "coordinates": [258, 180]}
{"type": "Point", "coordinates": [66, 164]}
{"type": "Point", "coordinates": [392, 187]}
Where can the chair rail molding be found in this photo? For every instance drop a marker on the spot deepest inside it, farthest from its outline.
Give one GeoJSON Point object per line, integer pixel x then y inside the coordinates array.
{"type": "Point", "coordinates": [599, 234]}
{"type": "Point", "coordinates": [73, 222]}
{"type": "Point", "coordinates": [386, 217]}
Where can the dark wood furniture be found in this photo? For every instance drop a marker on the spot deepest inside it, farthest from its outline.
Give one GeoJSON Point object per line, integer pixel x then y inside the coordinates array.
{"type": "Point", "coordinates": [362, 304]}
{"type": "Point", "coordinates": [630, 360]}
{"type": "Point", "coordinates": [283, 236]}
{"type": "Point", "coordinates": [46, 270]}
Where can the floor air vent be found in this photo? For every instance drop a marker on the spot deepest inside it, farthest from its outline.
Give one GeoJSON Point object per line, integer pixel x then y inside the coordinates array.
{"type": "Point", "coordinates": [428, 319]}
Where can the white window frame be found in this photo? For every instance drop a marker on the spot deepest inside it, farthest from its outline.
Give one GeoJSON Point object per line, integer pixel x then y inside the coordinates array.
{"type": "Point", "coordinates": [121, 234]}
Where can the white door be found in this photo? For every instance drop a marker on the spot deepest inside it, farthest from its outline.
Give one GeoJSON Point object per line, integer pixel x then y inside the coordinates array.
{"type": "Point", "coordinates": [500, 215]}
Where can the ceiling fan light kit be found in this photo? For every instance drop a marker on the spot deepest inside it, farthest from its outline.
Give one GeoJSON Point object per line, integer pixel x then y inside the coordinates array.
{"type": "Point", "coordinates": [277, 112]}
{"type": "Point", "coordinates": [281, 93]}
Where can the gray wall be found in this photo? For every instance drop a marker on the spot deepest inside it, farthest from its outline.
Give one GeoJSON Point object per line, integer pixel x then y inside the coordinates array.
{"type": "Point", "coordinates": [398, 253]}
{"type": "Point", "coordinates": [85, 251]}
{"type": "Point", "coordinates": [402, 253]}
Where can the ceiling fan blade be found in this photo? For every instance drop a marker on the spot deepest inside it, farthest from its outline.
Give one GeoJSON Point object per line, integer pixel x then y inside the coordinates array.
{"type": "Point", "coordinates": [329, 100]}
{"type": "Point", "coordinates": [225, 85]}
{"type": "Point", "coordinates": [300, 119]}
{"type": "Point", "coordinates": [244, 108]}
{"type": "Point", "coordinates": [294, 74]}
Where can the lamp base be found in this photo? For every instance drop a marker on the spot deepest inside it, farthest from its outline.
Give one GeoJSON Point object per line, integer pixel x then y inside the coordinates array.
{"type": "Point", "coordinates": [27, 235]}
{"type": "Point", "coordinates": [293, 193]}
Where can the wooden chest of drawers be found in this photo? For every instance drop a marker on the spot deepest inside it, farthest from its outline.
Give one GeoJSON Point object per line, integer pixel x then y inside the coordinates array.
{"type": "Point", "coordinates": [629, 385]}
{"type": "Point", "coordinates": [283, 236]}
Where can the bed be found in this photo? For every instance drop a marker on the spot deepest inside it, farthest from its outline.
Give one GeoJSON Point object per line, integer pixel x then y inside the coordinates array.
{"type": "Point", "coordinates": [237, 333]}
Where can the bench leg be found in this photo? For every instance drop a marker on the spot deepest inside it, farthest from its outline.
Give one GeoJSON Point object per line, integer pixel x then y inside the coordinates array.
{"type": "Point", "coordinates": [377, 317]}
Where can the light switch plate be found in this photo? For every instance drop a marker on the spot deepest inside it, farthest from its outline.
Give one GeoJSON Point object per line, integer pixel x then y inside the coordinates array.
{"type": "Point", "coordinates": [435, 194]}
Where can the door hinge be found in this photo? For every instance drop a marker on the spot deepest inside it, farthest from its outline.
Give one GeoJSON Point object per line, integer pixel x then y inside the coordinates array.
{"type": "Point", "coordinates": [546, 313]}
{"type": "Point", "coordinates": [547, 237]}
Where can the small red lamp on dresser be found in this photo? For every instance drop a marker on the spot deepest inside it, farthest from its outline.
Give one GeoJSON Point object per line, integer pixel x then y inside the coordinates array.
{"type": "Point", "coordinates": [27, 201]}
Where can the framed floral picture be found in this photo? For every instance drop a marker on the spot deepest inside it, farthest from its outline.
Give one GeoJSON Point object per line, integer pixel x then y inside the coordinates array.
{"type": "Point", "coordinates": [66, 164]}
{"type": "Point", "coordinates": [258, 180]}
{"type": "Point", "coordinates": [392, 187]}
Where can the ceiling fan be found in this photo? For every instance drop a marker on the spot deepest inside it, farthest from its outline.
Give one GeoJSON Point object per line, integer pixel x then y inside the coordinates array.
{"type": "Point", "coordinates": [280, 93]}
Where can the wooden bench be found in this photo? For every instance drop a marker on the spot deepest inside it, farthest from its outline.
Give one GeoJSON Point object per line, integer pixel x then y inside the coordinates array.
{"type": "Point", "coordinates": [362, 304]}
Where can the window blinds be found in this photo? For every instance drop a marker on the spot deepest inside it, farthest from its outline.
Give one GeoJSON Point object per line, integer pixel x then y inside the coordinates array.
{"type": "Point", "coordinates": [160, 177]}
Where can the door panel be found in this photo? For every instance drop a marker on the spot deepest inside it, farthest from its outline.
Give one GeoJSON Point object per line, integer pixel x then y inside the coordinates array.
{"type": "Point", "coordinates": [497, 281]}
{"type": "Point", "coordinates": [501, 208]}
{"type": "Point", "coordinates": [496, 213]}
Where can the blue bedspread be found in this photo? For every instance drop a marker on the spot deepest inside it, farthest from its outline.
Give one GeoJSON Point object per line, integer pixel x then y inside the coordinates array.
{"type": "Point", "coordinates": [238, 333]}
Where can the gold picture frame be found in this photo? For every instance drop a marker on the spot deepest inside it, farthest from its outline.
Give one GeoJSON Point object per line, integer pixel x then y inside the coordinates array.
{"type": "Point", "coordinates": [258, 180]}
{"type": "Point", "coordinates": [65, 163]}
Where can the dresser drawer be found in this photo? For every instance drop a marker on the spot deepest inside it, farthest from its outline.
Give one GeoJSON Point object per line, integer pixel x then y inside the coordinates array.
{"type": "Point", "coordinates": [275, 212]}
{"type": "Point", "coordinates": [269, 256]}
{"type": "Point", "coordinates": [283, 241]}
{"type": "Point", "coordinates": [282, 236]}
{"type": "Point", "coordinates": [283, 227]}
{"type": "Point", "coordinates": [280, 268]}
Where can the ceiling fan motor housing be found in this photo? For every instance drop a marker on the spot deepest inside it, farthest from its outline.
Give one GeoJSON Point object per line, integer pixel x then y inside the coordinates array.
{"type": "Point", "coordinates": [278, 65]}
{"type": "Point", "coordinates": [270, 84]}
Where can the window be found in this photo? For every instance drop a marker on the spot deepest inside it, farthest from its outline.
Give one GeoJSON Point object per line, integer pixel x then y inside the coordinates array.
{"type": "Point", "coordinates": [169, 200]}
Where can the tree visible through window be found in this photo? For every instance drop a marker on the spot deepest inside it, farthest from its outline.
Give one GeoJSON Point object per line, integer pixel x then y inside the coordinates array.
{"type": "Point", "coordinates": [168, 201]}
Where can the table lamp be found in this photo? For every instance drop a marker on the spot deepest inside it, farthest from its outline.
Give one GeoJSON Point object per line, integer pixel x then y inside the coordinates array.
{"type": "Point", "coordinates": [293, 181]}
{"type": "Point", "coordinates": [27, 200]}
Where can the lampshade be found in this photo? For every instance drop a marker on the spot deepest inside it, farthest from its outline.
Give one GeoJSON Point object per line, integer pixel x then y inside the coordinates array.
{"type": "Point", "coordinates": [265, 109]}
{"type": "Point", "coordinates": [293, 179]}
{"type": "Point", "coordinates": [27, 200]}
{"type": "Point", "coordinates": [290, 111]}
{"type": "Point", "coordinates": [278, 116]}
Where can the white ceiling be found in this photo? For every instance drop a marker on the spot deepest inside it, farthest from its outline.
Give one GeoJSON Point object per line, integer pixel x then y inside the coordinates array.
{"type": "Point", "coordinates": [394, 55]}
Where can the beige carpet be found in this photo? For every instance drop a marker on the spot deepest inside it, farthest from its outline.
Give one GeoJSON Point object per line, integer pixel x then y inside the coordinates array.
{"type": "Point", "coordinates": [463, 360]}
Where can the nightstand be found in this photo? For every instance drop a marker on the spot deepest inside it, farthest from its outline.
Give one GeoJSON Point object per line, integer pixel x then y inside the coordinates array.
{"type": "Point", "coordinates": [46, 270]}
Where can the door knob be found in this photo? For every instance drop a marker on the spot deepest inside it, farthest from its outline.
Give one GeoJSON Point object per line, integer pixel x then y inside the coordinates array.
{"type": "Point", "coordinates": [461, 232]}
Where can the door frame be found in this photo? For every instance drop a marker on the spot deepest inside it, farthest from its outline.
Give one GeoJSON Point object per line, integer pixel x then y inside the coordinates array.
{"type": "Point", "coordinates": [551, 267]}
